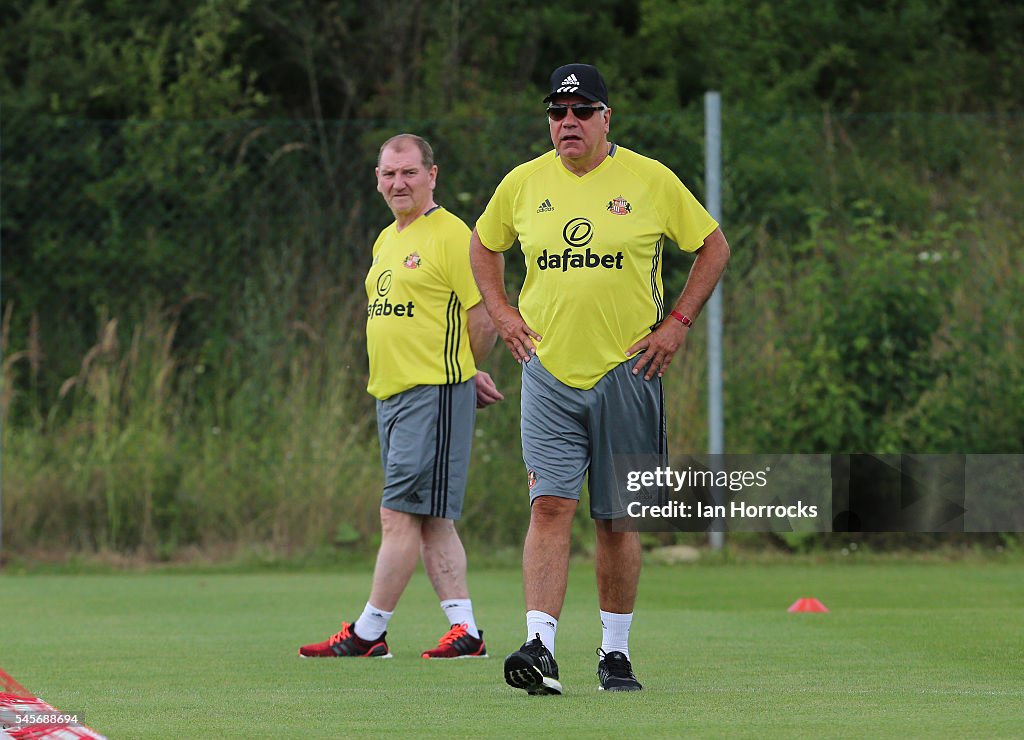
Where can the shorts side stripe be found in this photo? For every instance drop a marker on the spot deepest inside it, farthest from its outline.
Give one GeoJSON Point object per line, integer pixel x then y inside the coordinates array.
{"type": "Point", "coordinates": [442, 449]}
{"type": "Point", "coordinates": [449, 397]}
{"type": "Point", "coordinates": [662, 434]}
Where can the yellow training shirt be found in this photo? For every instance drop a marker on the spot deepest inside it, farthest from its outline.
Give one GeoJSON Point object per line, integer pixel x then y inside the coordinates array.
{"type": "Point", "coordinates": [593, 250]}
{"type": "Point", "coordinates": [419, 288]}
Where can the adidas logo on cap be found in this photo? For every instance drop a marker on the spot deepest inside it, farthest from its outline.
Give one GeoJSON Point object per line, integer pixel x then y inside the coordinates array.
{"type": "Point", "coordinates": [578, 79]}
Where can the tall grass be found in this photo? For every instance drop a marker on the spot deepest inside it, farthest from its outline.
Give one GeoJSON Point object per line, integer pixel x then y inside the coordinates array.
{"type": "Point", "coordinates": [146, 452]}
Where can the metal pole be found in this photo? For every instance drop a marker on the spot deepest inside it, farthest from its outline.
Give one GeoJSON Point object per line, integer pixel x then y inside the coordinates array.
{"type": "Point", "coordinates": [713, 310]}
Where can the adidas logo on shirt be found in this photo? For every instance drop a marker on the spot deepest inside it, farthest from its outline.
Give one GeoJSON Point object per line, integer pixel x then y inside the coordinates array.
{"type": "Point", "coordinates": [546, 206]}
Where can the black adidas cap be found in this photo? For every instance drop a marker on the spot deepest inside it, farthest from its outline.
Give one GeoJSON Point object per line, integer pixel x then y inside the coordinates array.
{"type": "Point", "coordinates": [578, 79]}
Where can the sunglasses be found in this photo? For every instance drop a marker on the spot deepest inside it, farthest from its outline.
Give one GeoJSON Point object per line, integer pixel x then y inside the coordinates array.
{"type": "Point", "coordinates": [582, 112]}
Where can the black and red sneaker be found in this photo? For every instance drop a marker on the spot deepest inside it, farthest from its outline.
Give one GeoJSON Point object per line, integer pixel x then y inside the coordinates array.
{"type": "Point", "coordinates": [458, 643]}
{"type": "Point", "coordinates": [347, 644]}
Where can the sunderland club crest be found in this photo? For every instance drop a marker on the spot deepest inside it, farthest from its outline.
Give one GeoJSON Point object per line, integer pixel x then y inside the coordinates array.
{"type": "Point", "coordinates": [619, 206]}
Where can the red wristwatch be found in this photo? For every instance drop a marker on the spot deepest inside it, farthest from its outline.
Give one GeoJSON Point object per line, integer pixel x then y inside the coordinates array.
{"type": "Point", "coordinates": [682, 319]}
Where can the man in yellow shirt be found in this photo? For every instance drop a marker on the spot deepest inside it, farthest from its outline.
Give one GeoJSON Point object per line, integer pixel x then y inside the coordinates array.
{"type": "Point", "coordinates": [425, 331]}
{"type": "Point", "coordinates": [594, 338]}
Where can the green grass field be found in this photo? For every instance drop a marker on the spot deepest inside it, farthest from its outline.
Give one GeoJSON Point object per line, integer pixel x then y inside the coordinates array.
{"type": "Point", "coordinates": [908, 650]}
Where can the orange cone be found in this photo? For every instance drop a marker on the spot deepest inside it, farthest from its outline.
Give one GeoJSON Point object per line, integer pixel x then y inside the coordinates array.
{"type": "Point", "coordinates": [807, 605]}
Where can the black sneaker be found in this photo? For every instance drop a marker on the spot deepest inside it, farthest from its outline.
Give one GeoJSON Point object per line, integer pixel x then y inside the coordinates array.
{"type": "Point", "coordinates": [533, 669]}
{"type": "Point", "coordinates": [615, 672]}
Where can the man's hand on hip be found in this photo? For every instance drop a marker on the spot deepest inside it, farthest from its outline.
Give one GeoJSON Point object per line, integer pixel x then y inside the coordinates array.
{"type": "Point", "coordinates": [517, 335]}
{"type": "Point", "coordinates": [658, 348]}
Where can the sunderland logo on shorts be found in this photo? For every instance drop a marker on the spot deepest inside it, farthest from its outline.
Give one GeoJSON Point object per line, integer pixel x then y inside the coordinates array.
{"type": "Point", "coordinates": [578, 233]}
{"type": "Point", "coordinates": [531, 478]}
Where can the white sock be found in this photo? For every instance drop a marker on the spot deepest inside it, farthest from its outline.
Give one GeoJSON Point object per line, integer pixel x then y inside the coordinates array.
{"type": "Point", "coordinates": [543, 624]}
{"type": "Point", "coordinates": [372, 622]}
{"type": "Point", "coordinates": [615, 632]}
{"type": "Point", "coordinates": [460, 611]}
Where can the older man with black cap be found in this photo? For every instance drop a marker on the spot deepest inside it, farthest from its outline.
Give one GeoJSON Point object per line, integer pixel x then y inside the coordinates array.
{"type": "Point", "coordinates": [594, 339]}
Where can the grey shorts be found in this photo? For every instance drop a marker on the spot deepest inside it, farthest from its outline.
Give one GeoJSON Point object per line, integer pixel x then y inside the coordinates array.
{"type": "Point", "coordinates": [425, 437]}
{"type": "Point", "coordinates": [568, 432]}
